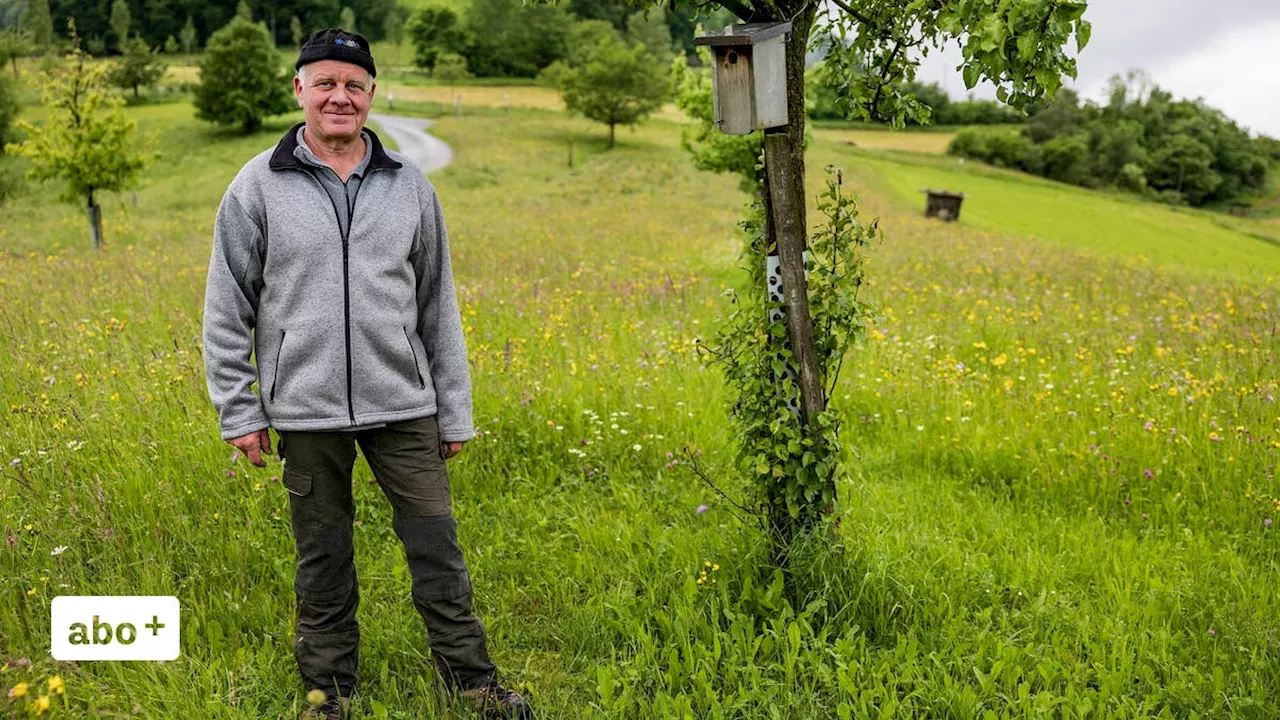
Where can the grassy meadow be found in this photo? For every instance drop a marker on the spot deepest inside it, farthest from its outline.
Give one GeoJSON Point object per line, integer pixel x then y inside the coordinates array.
{"type": "Point", "coordinates": [1061, 429]}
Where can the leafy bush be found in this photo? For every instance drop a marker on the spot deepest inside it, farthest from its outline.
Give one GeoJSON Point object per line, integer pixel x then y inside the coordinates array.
{"type": "Point", "coordinates": [241, 82]}
{"type": "Point", "coordinates": [1066, 158]}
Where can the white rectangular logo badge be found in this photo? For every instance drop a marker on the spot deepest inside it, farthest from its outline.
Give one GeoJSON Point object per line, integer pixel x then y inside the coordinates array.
{"type": "Point", "coordinates": [115, 627]}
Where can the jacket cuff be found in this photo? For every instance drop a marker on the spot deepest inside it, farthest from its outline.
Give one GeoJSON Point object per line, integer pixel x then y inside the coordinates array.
{"type": "Point", "coordinates": [456, 434]}
{"type": "Point", "coordinates": [244, 428]}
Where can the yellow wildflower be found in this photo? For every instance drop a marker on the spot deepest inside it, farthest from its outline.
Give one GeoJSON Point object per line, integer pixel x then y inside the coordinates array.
{"type": "Point", "coordinates": [55, 685]}
{"type": "Point", "coordinates": [18, 691]}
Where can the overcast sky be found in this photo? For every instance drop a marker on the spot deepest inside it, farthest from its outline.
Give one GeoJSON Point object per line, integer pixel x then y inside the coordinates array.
{"type": "Point", "coordinates": [1225, 51]}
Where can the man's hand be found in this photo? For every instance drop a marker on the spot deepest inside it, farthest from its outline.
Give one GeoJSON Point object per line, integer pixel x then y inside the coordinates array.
{"type": "Point", "coordinates": [254, 446]}
{"type": "Point", "coordinates": [451, 449]}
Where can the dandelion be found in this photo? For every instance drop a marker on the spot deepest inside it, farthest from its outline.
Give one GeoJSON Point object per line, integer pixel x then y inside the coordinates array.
{"type": "Point", "coordinates": [18, 691]}
{"type": "Point", "coordinates": [315, 696]}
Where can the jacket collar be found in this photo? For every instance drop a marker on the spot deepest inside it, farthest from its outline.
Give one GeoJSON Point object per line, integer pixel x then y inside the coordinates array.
{"type": "Point", "coordinates": [283, 158]}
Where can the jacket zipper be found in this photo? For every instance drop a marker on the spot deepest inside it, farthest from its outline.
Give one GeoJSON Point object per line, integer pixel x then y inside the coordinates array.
{"type": "Point", "coordinates": [346, 275]}
{"type": "Point", "coordinates": [416, 368]}
{"type": "Point", "coordinates": [275, 377]}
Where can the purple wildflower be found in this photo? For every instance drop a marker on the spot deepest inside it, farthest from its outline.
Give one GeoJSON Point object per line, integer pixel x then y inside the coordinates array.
{"type": "Point", "coordinates": [701, 509]}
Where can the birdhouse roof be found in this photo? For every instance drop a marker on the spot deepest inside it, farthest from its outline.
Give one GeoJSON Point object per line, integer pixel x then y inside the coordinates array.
{"type": "Point", "coordinates": [748, 34]}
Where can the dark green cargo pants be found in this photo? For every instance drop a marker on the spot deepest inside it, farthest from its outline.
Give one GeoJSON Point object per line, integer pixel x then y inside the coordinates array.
{"type": "Point", "coordinates": [408, 462]}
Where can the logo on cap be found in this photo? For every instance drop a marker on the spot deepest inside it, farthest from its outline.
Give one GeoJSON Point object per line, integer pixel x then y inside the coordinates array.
{"type": "Point", "coordinates": [348, 43]}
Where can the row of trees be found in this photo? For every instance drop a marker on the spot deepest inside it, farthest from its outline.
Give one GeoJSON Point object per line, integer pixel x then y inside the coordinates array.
{"type": "Point", "coordinates": [186, 24]}
{"type": "Point", "coordinates": [510, 38]}
{"type": "Point", "coordinates": [1142, 140]}
{"type": "Point", "coordinates": [824, 102]}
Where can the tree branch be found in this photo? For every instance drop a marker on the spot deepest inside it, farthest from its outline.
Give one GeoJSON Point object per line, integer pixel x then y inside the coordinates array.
{"type": "Point", "coordinates": [745, 13]}
{"type": "Point", "coordinates": [884, 79]}
{"type": "Point", "coordinates": [696, 469]}
{"type": "Point", "coordinates": [856, 15]}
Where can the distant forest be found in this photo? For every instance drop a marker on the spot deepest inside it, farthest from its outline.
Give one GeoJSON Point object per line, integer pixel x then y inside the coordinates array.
{"type": "Point", "coordinates": [156, 20]}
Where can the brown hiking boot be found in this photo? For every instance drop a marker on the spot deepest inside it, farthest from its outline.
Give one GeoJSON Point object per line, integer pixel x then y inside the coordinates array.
{"type": "Point", "coordinates": [332, 709]}
{"type": "Point", "coordinates": [497, 702]}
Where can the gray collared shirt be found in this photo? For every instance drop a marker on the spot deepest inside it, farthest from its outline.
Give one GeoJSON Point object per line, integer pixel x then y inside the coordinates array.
{"type": "Point", "coordinates": [342, 194]}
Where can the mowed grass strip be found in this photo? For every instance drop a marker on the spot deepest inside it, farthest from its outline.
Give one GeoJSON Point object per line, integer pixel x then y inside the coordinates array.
{"type": "Point", "coordinates": [1062, 464]}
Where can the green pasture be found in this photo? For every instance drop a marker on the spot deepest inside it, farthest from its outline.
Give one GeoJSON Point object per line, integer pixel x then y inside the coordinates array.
{"type": "Point", "coordinates": [1027, 206]}
{"type": "Point", "coordinates": [1061, 434]}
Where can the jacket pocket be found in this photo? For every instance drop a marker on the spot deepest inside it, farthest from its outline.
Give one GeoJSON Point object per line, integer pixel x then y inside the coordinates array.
{"type": "Point", "coordinates": [275, 374]}
{"type": "Point", "coordinates": [416, 367]}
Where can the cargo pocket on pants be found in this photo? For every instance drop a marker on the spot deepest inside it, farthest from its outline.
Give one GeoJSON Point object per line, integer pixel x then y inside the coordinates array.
{"type": "Point", "coordinates": [297, 482]}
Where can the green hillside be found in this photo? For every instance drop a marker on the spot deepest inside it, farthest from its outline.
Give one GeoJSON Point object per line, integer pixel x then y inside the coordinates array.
{"type": "Point", "coordinates": [1017, 204]}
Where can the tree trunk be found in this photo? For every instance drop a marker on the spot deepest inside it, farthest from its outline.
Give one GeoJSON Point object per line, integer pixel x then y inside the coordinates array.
{"type": "Point", "coordinates": [95, 222]}
{"type": "Point", "coordinates": [611, 136]}
{"type": "Point", "coordinates": [788, 227]}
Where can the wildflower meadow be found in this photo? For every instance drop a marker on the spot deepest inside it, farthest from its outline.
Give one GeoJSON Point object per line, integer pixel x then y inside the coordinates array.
{"type": "Point", "coordinates": [1061, 431]}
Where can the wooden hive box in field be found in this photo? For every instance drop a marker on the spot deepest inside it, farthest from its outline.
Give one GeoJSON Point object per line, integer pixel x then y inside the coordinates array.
{"type": "Point", "coordinates": [942, 204]}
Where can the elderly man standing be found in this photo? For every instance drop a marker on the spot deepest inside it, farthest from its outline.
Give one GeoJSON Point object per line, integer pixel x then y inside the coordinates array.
{"type": "Point", "coordinates": [331, 267]}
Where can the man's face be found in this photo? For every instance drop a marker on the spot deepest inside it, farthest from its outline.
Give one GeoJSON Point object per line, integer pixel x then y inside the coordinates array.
{"type": "Point", "coordinates": [335, 97]}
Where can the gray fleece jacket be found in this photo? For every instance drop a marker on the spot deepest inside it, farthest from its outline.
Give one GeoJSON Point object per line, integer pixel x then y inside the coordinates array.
{"type": "Point", "coordinates": [339, 331]}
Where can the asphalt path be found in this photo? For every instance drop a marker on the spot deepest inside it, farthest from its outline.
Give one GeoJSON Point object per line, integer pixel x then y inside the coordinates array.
{"type": "Point", "coordinates": [410, 133]}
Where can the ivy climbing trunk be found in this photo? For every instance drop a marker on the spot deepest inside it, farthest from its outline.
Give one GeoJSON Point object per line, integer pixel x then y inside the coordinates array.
{"type": "Point", "coordinates": [787, 229]}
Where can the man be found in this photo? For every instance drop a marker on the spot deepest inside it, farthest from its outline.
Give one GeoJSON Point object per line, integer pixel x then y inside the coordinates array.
{"type": "Point", "coordinates": [331, 266]}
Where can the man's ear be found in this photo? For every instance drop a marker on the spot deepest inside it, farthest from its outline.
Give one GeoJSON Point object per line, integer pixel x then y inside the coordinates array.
{"type": "Point", "coordinates": [297, 89]}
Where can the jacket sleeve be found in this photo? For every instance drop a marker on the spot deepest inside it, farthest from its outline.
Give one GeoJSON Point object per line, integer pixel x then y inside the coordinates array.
{"type": "Point", "coordinates": [440, 323]}
{"type": "Point", "coordinates": [230, 315]}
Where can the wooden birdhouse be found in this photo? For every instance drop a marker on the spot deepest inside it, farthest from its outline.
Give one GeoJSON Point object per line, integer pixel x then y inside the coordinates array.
{"type": "Point", "coordinates": [749, 76]}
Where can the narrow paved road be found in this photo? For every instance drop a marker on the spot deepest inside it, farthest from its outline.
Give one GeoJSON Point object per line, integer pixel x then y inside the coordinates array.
{"type": "Point", "coordinates": [431, 153]}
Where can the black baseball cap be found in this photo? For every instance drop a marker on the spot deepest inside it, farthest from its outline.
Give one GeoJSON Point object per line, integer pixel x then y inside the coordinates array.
{"type": "Point", "coordinates": [336, 44]}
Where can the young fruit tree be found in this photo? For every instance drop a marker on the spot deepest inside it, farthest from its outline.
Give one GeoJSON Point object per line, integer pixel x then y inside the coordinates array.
{"type": "Point", "coordinates": [610, 80]}
{"type": "Point", "coordinates": [782, 355]}
{"type": "Point", "coordinates": [85, 140]}
{"type": "Point", "coordinates": [140, 66]}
